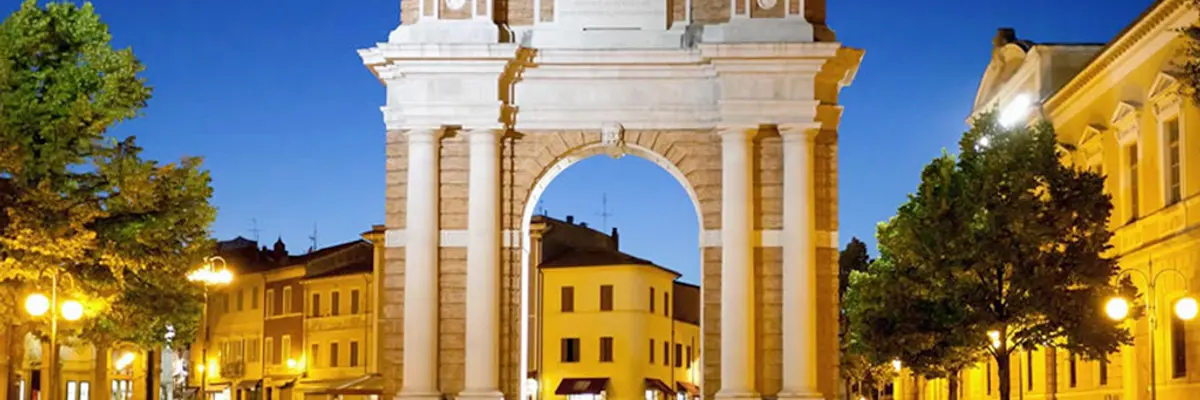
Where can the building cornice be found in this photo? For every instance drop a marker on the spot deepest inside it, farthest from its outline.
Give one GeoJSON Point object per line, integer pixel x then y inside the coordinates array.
{"type": "Point", "coordinates": [1150, 21]}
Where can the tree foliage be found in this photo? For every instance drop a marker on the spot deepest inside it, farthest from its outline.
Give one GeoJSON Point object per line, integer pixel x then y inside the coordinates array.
{"type": "Point", "coordinates": [117, 230]}
{"type": "Point", "coordinates": [1004, 238]}
{"type": "Point", "coordinates": [1189, 65]}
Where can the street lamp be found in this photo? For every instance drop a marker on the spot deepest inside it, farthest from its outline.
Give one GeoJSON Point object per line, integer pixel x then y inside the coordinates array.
{"type": "Point", "coordinates": [39, 305]}
{"type": "Point", "coordinates": [1117, 308]}
{"type": "Point", "coordinates": [208, 275]}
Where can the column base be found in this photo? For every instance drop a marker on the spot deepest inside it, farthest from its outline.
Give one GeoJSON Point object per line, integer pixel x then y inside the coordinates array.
{"type": "Point", "coordinates": [481, 395]}
{"type": "Point", "coordinates": [729, 395]}
{"type": "Point", "coordinates": [414, 395]}
{"type": "Point", "coordinates": [801, 395]}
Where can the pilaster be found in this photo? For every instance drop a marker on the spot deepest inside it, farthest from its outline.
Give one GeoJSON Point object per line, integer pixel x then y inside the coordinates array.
{"type": "Point", "coordinates": [421, 268]}
{"type": "Point", "coordinates": [799, 265]}
{"type": "Point", "coordinates": [737, 265]}
{"type": "Point", "coordinates": [483, 268]}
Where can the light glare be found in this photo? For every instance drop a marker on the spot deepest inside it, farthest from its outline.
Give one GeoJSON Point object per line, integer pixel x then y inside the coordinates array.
{"type": "Point", "coordinates": [1016, 110]}
{"type": "Point", "coordinates": [37, 304]}
{"type": "Point", "coordinates": [1186, 308]}
{"type": "Point", "coordinates": [72, 310]}
{"type": "Point", "coordinates": [1117, 308]}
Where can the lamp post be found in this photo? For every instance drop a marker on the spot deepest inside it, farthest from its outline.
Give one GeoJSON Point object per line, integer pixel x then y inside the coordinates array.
{"type": "Point", "coordinates": [38, 305]}
{"type": "Point", "coordinates": [1117, 308]}
{"type": "Point", "coordinates": [208, 275]}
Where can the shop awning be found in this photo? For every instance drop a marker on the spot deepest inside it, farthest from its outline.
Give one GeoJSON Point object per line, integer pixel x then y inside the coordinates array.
{"type": "Point", "coordinates": [249, 384]}
{"type": "Point", "coordinates": [360, 385]}
{"type": "Point", "coordinates": [216, 387]}
{"type": "Point", "coordinates": [692, 390]}
{"type": "Point", "coordinates": [571, 386]}
{"type": "Point", "coordinates": [655, 384]}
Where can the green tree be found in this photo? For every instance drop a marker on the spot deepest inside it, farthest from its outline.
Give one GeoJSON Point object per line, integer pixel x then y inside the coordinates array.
{"type": "Point", "coordinates": [118, 231]}
{"type": "Point", "coordinates": [854, 366]}
{"type": "Point", "coordinates": [1005, 238]}
{"type": "Point", "coordinates": [1189, 64]}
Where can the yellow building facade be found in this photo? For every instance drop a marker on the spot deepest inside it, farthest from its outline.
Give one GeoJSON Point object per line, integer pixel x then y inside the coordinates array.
{"type": "Point", "coordinates": [613, 326]}
{"type": "Point", "coordinates": [1119, 107]}
{"type": "Point", "coordinates": [118, 372]}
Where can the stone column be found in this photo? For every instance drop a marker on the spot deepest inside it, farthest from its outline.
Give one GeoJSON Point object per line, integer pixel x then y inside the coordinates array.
{"type": "Point", "coordinates": [483, 268]}
{"type": "Point", "coordinates": [799, 267]}
{"type": "Point", "coordinates": [421, 268]}
{"type": "Point", "coordinates": [737, 266]}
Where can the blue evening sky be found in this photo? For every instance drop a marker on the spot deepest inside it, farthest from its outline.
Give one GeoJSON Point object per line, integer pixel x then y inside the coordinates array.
{"type": "Point", "coordinates": [275, 98]}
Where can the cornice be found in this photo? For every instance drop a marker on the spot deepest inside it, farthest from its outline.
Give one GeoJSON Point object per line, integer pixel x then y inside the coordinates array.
{"type": "Point", "coordinates": [1148, 22]}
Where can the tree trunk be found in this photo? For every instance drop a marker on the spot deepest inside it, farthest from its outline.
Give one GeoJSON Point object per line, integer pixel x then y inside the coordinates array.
{"type": "Point", "coordinates": [102, 388]}
{"type": "Point", "coordinates": [952, 385]}
{"type": "Point", "coordinates": [849, 386]}
{"type": "Point", "coordinates": [1002, 372]}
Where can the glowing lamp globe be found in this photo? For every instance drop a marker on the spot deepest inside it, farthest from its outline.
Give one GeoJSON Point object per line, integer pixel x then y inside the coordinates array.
{"type": "Point", "coordinates": [72, 310]}
{"type": "Point", "coordinates": [1186, 308]}
{"type": "Point", "coordinates": [37, 304]}
{"type": "Point", "coordinates": [1117, 308]}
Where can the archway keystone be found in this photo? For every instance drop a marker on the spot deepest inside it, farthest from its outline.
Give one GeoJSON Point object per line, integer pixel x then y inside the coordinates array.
{"type": "Point", "coordinates": [737, 100]}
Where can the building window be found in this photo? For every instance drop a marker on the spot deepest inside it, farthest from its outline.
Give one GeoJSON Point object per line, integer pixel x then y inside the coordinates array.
{"type": "Point", "coordinates": [335, 300]}
{"type": "Point", "coordinates": [678, 355]}
{"type": "Point", "coordinates": [666, 353]}
{"type": "Point", "coordinates": [287, 299]}
{"type": "Point", "coordinates": [606, 298]}
{"type": "Point", "coordinates": [285, 347]}
{"type": "Point", "coordinates": [241, 299]}
{"type": "Point", "coordinates": [122, 389]}
{"type": "Point", "coordinates": [1071, 368]}
{"type": "Point", "coordinates": [689, 356]}
{"type": "Point", "coordinates": [1104, 371]}
{"type": "Point", "coordinates": [667, 304]}
{"type": "Point", "coordinates": [314, 307]}
{"type": "Point", "coordinates": [252, 350]}
{"type": "Point", "coordinates": [652, 299]}
{"type": "Point", "coordinates": [1178, 347]}
{"type": "Point", "coordinates": [606, 349]}
{"type": "Point", "coordinates": [72, 390]}
{"type": "Point", "coordinates": [314, 355]}
{"type": "Point", "coordinates": [1132, 151]}
{"type": "Point", "coordinates": [652, 350]}
{"type": "Point", "coordinates": [85, 390]}
{"type": "Point", "coordinates": [568, 299]}
{"type": "Point", "coordinates": [1172, 160]}
{"type": "Point", "coordinates": [333, 355]}
{"type": "Point", "coordinates": [1029, 367]}
{"type": "Point", "coordinates": [354, 301]}
{"type": "Point", "coordinates": [353, 354]}
{"type": "Point", "coordinates": [570, 350]}
{"type": "Point", "coordinates": [269, 349]}
{"type": "Point", "coordinates": [254, 298]}
{"type": "Point", "coordinates": [270, 302]}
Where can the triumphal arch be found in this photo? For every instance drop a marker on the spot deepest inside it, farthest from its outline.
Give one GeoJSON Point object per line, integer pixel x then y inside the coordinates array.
{"type": "Point", "coordinates": [487, 100]}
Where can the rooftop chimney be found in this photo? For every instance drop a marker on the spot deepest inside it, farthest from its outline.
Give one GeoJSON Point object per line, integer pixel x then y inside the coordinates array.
{"type": "Point", "coordinates": [616, 238]}
{"type": "Point", "coordinates": [583, 224]}
{"type": "Point", "coordinates": [1004, 36]}
{"type": "Point", "coordinates": [570, 219]}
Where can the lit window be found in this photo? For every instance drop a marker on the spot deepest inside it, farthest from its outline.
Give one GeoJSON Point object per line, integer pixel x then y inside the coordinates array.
{"type": "Point", "coordinates": [1174, 178]}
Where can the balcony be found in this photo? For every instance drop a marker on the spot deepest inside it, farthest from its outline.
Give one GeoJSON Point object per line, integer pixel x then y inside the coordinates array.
{"type": "Point", "coordinates": [233, 369]}
{"type": "Point", "coordinates": [336, 322]}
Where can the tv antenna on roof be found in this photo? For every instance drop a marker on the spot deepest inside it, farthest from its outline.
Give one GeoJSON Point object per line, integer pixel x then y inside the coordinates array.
{"type": "Point", "coordinates": [254, 228]}
{"type": "Point", "coordinates": [604, 214]}
{"type": "Point", "coordinates": [541, 208]}
{"type": "Point", "coordinates": [313, 239]}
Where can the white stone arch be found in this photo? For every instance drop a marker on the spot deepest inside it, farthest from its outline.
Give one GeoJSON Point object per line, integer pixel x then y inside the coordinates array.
{"type": "Point", "coordinates": [564, 161]}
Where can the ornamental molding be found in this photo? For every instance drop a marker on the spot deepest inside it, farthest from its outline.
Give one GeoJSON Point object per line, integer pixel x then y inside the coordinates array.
{"type": "Point", "coordinates": [1164, 94]}
{"type": "Point", "coordinates": [767, 4]}
{"type": "Point", "coordinates": [1125, 120]}
{"type": "Point", "coordinates": [455, 4]}
{"type": "Point", "coordinates": [612, 139]}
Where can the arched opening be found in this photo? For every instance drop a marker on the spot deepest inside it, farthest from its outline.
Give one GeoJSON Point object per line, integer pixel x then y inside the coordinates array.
{"type": "Point", "coordinates": [661, 360]}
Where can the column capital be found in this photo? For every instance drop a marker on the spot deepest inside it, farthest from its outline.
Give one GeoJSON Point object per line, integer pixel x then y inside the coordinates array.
{"type": "Point", "coordinates": [481, 133]}
{"type": "Point", "coordinates": [736, 133]}
{"type": "Point", "coordinates": [806, 132]}
{"type": "Point", "coordinates": [424, 134]}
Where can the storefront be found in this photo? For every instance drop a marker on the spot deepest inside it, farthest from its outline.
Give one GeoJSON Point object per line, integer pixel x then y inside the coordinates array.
{"type": "Point", "coordinates": [582, 388]}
